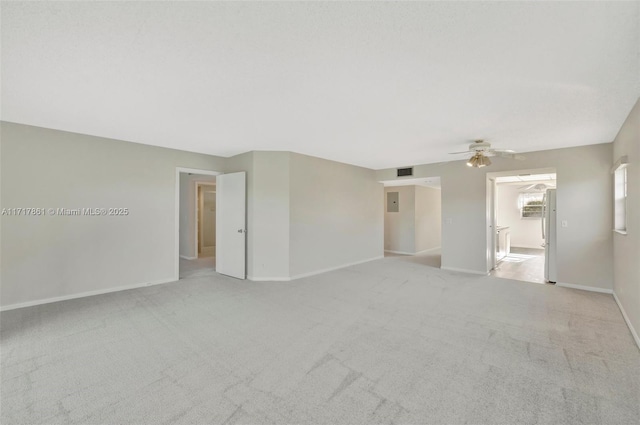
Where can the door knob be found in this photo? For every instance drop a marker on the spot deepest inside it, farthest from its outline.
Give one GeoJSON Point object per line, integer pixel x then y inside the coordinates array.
{"type": "Point", "coordinates": [240, 230]}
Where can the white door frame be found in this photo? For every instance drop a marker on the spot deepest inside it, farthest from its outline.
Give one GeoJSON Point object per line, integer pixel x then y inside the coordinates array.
{"type": "Point", "coordinates": [491, 206]}
{"type": "Point", "coordinates": [197, 210]}
{"type": "Point", "coordinates": [176, 256]}
{"type": "Point", "coordinates": [492, 223]}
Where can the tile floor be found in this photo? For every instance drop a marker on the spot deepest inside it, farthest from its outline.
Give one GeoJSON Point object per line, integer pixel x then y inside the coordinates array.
{"type": "Point", "coordinates": [524, 264]}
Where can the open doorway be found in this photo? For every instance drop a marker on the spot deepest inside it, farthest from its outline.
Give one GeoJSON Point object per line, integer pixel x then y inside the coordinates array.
{"type": "Point", "coordinates": [206, 212]}
{"type": "Point", "coordinates": [521, 246]}
{"type": "Point", "coordinates": [197, 224]}
{"type": "Point", "coordinates": [229, 250]}
{"type": "Point", "coordinates": [413, 220]}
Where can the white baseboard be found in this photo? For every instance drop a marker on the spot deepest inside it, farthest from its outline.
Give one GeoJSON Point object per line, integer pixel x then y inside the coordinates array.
{"type": "Point", "coordinates": [585, 288]}
{"type": "Point", "coordinates": [268, 279]}
{"type": "Point", "coordinates": [83, 294]}
{"type": "Point", "coordinates": [188, 258]}
{"type": "Point", "coordinates": [424, 251]}
{"type": "Point", "coordinates": [330, 269]}
{"type": "Point", "coordinates": [626, 319]}
{"type": "Point", "coordinates": [455, 269]}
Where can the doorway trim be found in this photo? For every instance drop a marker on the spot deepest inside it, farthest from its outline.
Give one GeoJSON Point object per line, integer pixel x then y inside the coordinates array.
{"type": "Point", "coordinates": [491, 204]}
{"type": "Point", "coordinates": [491, 222]}
{"type": "Point", "coordinates": [176, 254]}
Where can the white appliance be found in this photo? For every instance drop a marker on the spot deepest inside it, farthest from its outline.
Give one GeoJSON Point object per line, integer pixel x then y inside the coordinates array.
{"type": "Point", "coordinates": [549, 235]}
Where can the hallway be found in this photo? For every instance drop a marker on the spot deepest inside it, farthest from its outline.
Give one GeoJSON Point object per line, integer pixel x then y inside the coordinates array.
{"type": "Point", "coordinates": [202, 266]}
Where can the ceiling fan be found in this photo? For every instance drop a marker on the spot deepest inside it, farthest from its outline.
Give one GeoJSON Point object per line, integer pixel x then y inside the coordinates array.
{"type": "Point", "coordinates": [482, 150]}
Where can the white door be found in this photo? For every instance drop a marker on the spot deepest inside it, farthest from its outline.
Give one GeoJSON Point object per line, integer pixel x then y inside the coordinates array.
{"type": "Point", "coordinates": [230, 224]}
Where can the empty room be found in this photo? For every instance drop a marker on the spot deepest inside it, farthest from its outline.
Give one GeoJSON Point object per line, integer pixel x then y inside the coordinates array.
{"type": "Point", "coordinates": [319, 212]}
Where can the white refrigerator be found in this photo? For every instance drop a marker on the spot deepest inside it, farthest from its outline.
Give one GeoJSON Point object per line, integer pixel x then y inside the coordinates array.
{"type": "Point", "coordinates": [549, 235]}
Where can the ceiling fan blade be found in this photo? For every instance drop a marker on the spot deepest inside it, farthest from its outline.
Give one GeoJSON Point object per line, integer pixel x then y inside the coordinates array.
{"type": "Point", "coordinates": [504, 150]}
{"type": "Point", "coordinates": [511, 155]}
{"type": "Point", "coordinates": [455, 153]}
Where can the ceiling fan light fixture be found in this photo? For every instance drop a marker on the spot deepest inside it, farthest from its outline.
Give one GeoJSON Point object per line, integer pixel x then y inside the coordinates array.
{"type": "Point", "coordinates": [484, 161]}
{"type": "Point", "coordinates": [478, 160]}
{"type": "Point", "coordinates": [479, 150]}
{"type": "Point", "coordinates": [474, 161]}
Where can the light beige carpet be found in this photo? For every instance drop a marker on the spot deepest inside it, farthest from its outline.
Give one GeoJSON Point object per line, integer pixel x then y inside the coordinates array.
{"type": "Point", "coordinates": [390, 341]}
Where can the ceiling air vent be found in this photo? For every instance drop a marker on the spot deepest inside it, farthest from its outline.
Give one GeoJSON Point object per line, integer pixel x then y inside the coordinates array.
{"type": "Point", "coordinates": [405, 172]}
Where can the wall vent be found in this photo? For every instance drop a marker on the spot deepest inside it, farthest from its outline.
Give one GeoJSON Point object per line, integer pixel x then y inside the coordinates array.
{"type": "Point", "coordinates": [405, 172]}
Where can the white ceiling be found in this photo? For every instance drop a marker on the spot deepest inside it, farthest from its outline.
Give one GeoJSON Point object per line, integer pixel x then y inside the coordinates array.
{"type": "Point", "coordinates": [377, 84]}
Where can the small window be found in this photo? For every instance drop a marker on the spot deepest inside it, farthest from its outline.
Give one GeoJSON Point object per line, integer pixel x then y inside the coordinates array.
{"type": "Point", "coordinates": [530, 205]}
{"type": "Point", "coordinates": [620, 199]}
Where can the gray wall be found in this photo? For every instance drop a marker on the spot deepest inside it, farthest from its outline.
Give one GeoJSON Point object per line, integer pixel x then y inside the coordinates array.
{"type": "Point", "coordinates": [585, 254]}
{"type": "Point", "coordinates": [400, 226]}
{"type": "Point", "coordinates": [55, 256]}
{"type": "Point", "coordinates": [270, 212]}
{"type": "Point", "coordinates": [335, 215]}
{"type": "Point", "coordinates": [428, 218]}
{"type": "Point", "coordinates": [306, 214]}
{"type": "Point", "coordinates": [626, 248]}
